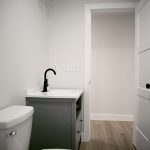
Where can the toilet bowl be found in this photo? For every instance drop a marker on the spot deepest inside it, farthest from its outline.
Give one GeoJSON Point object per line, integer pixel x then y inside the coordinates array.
{"type": "Point", "coordinates": [15, 127]}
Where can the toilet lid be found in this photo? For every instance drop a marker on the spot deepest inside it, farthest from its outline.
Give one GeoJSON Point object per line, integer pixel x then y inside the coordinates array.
{"type": "Point", "coordinates": [14, 115]}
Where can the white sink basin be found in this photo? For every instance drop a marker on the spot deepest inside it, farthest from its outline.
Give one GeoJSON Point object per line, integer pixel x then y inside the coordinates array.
{"type": "Point", "coordinates": [57, 93]}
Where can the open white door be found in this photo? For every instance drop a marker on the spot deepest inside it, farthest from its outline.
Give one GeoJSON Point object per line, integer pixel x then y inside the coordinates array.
{"type": "Point", "coordinates": [142, 117]}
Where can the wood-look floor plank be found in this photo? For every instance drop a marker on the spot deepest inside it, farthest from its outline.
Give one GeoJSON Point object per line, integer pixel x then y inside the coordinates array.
{"type": "Point", "coordinates": [110, 135]}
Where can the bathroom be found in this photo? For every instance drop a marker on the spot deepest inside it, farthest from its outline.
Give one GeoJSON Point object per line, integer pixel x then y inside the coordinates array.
{"type": "Point", "coordinates": [40, 34]}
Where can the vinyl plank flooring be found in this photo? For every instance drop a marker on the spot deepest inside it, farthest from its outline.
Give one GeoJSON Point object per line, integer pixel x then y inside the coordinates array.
{"type": "Point", "coordinates": [110, 135]}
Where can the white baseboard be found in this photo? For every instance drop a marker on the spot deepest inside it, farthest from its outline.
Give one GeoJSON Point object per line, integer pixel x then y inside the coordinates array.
{"type": "Point", "coordinates": [112, 117]}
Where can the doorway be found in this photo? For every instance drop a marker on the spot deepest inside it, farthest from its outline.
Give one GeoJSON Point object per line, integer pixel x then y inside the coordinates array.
{"type": "Point", "coordinates": [112, 65]}
{"type": "Point", "coordinates": [112, 79]}
{"type": "Point", "coordinates": [87, 92]}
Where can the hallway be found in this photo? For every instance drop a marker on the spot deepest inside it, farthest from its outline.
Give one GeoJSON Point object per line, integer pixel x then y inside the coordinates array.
{"type": "Point", "coordinates": [110, 135]}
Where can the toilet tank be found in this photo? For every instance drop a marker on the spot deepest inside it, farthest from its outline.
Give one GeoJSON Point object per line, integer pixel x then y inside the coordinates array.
{"type": "Point", "coordinates": [15, 127]}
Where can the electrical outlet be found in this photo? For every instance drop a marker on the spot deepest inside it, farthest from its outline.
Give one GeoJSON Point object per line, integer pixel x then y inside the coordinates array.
{"type": "Point", "coordinates": [72, 68]}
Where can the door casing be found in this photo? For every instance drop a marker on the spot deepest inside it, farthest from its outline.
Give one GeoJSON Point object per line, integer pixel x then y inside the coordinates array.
{"type": "Point", "coordinates": [87, 59]}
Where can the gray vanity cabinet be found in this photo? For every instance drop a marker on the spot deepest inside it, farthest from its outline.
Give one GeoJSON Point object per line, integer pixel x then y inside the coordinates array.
{"type": "Point", "coordinates": [57, 123]}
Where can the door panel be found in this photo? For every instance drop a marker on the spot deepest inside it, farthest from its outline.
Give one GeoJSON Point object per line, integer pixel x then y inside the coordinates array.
{"type": "Point", "coordinates": [144, 68]}
{"type": "Point", "coordinates": [143, 121]}
{"type": "Point", "coordinates": [142, 125]}
{"type": "Point", "coordinates": [144, 24]}
{"type": "Point", "coordinates": [142, 143]}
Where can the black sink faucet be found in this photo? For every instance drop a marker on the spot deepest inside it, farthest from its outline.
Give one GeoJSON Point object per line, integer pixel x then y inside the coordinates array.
{"type": "Point", "coordinates": [45, 85]}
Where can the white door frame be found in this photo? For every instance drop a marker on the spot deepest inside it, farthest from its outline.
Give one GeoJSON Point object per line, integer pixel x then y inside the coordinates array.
{"type": "Point", "coordinates": [87, 76]}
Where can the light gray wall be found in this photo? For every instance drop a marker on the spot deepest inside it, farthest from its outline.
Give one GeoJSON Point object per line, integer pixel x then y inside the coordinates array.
{"type": "Point", "coordinates": [24, 45]}
{"type": "Point", "coordinates": [113, 63]}
{"type": "Point", "coordinates": [67, 41]}
{"type": "Point", "coordinates": [23, 48]}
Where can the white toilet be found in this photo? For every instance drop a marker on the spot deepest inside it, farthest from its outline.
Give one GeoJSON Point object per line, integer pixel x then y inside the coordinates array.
{"type": "Point", "coordinates": [15, 127]}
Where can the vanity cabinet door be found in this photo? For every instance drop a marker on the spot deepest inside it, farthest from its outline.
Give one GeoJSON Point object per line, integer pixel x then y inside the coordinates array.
{"type": "Point", "coordinates": [52, 124]}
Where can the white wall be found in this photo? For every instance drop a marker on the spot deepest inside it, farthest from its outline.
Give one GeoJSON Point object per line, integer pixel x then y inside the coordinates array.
{"type": "Point", "coordinates": [24, 45]}
{"type": "Point", "coordinates": [67, 29]}
{"type": "Point", "coordinates": [67, 41]}
{"type": "Point", "coordinates": [113, 72]}
{"type": "Point", "coordinates": [23, 48]}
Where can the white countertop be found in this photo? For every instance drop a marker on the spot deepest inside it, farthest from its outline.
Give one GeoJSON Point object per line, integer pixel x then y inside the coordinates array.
{"type": "Point", "coordinates": [56, 93]}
